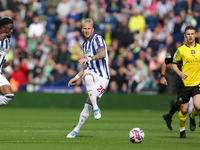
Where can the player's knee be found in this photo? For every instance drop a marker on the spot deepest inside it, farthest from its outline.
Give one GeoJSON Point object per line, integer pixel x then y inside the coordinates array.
{"type": "Point", "coordinates": [88, 79]}
{"type": "Point", "coordinates": [184, 111]}
{"type": "Point", "coordinates": [197, 108]}
{"type": "Point", "coordinates": [9, 97]}
{"type": "Point", "coordinates": [182, 114]}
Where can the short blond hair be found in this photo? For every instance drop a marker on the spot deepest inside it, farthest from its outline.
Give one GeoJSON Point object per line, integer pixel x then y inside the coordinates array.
{"type": "Point", "coordinates": [87, 20]}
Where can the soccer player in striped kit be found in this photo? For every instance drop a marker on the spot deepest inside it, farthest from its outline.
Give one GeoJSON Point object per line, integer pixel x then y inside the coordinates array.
{"type": "Point", "coordinates": [6, 29]}
{"type": "Point", "coordinates": [95, 73]}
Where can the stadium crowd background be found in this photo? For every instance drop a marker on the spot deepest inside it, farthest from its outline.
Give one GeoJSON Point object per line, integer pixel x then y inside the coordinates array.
{"type": "Point", "coordinates": [139, 34]}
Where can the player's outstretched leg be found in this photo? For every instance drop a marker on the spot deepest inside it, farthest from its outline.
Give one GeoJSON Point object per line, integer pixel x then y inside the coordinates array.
{"type": "Point", "coordinates": [83, 118]}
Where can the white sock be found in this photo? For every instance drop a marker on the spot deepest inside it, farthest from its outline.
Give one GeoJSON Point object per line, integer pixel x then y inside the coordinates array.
{"type": "Point", "coordinates": [85, 114]}
{"type": "Point", "coordinates": [90, 86]}
{"type": "Point", "coordinates": [182, 129]}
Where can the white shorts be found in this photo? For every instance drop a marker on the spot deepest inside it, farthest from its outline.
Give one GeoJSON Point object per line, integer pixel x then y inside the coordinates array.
{"type": "Point", "coordinates": [3, 80]}
{"type": "Point", "coordinates": [100, 83]}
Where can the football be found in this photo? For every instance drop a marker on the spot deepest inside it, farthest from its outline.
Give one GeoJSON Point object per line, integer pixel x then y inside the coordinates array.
{"type": "Point", "coordinates": [136, 135]}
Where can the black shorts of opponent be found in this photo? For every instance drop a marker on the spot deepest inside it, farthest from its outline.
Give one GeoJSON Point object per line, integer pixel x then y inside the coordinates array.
{"type": "Point", "coordinates": [185, 92]}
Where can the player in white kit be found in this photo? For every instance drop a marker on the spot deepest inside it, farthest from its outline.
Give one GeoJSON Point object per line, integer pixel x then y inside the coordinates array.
{"type": "Point", "coordinates": [6, 29]}
{"type": "Point", "coordinates": [95, 73]}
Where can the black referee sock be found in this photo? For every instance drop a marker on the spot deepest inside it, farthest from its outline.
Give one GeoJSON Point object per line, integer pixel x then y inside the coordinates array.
{"type": "Point", "coordinates": [174, 108]}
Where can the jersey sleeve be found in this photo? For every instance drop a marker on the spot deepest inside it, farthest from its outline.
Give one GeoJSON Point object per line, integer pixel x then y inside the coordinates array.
{"type": "Point", "coordinates": [100, 42]}
{"type": "Point", "coordinates": [169, 59]}
{"type": "Point", "coordinates": [177, 57]}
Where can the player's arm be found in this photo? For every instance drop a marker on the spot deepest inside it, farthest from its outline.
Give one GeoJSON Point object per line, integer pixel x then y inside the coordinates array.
{"type": "Point", "coordinates": [163, 70]}
{"type": "Point", "coordinates": [5, 63]}
{"type": "Point", "coordinates": [180, 73]}
{"type": "Point", "coordinates": [168, 60]}
{"type": "Point", "coordinates": [82, 71]}
{"type": "Point", "coordinates": [79, 75]}
{"type": "Point", "coordinates": [176, 61]}
{"type": "Point", "coordinates": [101, 53]}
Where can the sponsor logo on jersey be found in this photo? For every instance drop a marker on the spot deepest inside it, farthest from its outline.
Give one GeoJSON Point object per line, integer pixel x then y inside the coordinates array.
{"type": "Point", "coordinates": [193, 52]}
{"type": "Point", "coordinates": [3, 49]}
{"type": "Point", "coordinates": [195, 60]}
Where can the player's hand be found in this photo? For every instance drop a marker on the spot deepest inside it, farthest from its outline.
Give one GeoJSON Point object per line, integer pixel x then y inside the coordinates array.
{"type": "Point", "coordinates": [183, 75]}
{"type": "Point", "coordinates": [3, 36]}
{"type": "Point", "coordinates": [83, 60]}
{"type": "Point", "coordinates": [5, 63]}
{"type": "Point", "coordinates": [72, 81]}
{"type": "Point", "coordinates": [163, 81]}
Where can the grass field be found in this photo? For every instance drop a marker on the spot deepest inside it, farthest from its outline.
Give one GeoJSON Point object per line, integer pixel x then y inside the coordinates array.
{"type": "Point", "coordinates": [46, 129]}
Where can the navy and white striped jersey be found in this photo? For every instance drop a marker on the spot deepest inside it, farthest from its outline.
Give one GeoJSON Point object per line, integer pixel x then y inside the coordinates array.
{"type": "Point", "coordinates": [90, 48]}
{"type": "Point", "coordinates": [4, 46]}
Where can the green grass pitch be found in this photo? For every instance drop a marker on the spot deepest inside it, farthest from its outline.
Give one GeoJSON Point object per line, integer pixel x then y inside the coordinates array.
{"type": "Point", "coordinates": [46, 129]}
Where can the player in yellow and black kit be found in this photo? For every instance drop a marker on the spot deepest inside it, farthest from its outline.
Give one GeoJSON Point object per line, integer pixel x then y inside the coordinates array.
{"type": "Point", "coordinates": [188, 56]}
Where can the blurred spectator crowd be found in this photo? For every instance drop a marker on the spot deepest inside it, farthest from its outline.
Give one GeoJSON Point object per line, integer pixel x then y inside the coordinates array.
{"type": "Point", "coordinates": [47, 38]}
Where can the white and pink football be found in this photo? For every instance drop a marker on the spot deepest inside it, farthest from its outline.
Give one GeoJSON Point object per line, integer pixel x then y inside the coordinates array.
{"type": "Point", "coordinates": [136, 135]}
